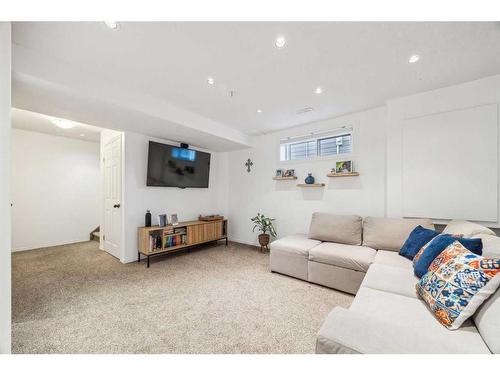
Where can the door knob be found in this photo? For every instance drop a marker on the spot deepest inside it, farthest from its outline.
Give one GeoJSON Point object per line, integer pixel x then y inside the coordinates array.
{"type": "Point", "coordinates": [116, 206]}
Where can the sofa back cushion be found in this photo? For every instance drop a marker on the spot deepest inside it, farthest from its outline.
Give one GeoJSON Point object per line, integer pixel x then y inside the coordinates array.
{"type": "Point", "coordinates": [344, 229]}
{"type": "Point", "coordinates": [491, 245]}
{"type": "Point", "coordinates": [466, 228]}
{"type": "Point", "coordinates": [487, 320]}
{"type": "Point", "coordinates": [390, 234]}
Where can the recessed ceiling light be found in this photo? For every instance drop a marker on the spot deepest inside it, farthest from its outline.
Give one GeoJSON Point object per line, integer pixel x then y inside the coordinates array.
{"type": "Point", "coordinates": [318, 90]}
{"type": "Point", "coordinates": [113, 25]}
{"type": "Point", "coordinates": [280, 42]}
{"type": "Point", "coordinates": [413, 59]}
{"type": "Point", "coordinates": [259, 110]}
{"type": "Point", "coordinates": [62, 123]}
{"type": "Point", "coordinates": [82, 135]}
{"type": "Point", "coordinates": [210, 80]}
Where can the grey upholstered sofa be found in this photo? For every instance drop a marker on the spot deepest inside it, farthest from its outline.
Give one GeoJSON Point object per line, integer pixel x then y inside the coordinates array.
{"type": "Point", "coordinates": [339, 249]}
{"type": "Point", "coordinates": [386, 315]}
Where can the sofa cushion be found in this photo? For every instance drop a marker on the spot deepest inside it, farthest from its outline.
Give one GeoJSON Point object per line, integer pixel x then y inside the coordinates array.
{"type": "Point", "coordinates": [491, 245]}
{"type": "Point", "coordinates": [466, 228]}
{"type": "Point", "coordinates": [381, 322]}
{"type": "Point", "coordinates": [417, 238]}
{"type": "Point", "coordinates": [393, 259]}
{"type": "Point", "coordinates": [391, 279]}
{"type": "Point", "coordinates": [390, 234]}
{"type": "Point", "coordinates": [438, 244]}
{"type": "Point", "coordinates": [357, 258]}
{"type": "Point", "coordinates": [335, 277]}
{"type": "Point", "coordinates": [487, 319]}
{"type": "Point", "coordinates": [344, 229]}
{"type": "Point", "coordinates": [458, 282]}
{"type": "Point", "coordinates": [298, 245]}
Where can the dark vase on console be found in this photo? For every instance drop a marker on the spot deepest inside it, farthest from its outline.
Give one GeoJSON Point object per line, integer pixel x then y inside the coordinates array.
{"type": "Point", "coordinates": [148, 219]}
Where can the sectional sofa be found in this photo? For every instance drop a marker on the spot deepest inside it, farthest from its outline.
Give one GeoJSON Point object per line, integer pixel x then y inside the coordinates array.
{"type": "Point", "coordinates": [361, 257]}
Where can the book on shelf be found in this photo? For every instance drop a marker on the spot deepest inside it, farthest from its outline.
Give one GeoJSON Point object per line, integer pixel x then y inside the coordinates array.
{"type": "Point", "coordinates": [155, 242]}
{"type": "Point", "coordinates": [181, 230]}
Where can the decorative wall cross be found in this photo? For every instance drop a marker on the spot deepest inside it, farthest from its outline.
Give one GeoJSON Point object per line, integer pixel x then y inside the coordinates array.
{"type": "Point", "coordinates": [248, 164]}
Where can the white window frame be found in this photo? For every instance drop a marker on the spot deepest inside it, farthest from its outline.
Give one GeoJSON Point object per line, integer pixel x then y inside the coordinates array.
{"type": "Point", "coordinates": [316, 136]}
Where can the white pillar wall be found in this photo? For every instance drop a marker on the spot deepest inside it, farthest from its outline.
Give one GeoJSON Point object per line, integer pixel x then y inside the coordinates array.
{"type": "Point", "coordinates": [5, 234]}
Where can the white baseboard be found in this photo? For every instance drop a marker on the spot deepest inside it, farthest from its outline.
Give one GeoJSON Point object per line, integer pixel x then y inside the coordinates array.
{"type": "Point", "coordinates": [51, 244]}
{"type": "Point", "coordinates": [245, 242]}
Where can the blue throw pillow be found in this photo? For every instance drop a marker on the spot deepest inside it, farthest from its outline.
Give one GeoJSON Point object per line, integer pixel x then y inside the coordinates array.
{"type": "Point", "coordinates": [437, 246]}
{"type": "Point", "coordinates": [417, 238]}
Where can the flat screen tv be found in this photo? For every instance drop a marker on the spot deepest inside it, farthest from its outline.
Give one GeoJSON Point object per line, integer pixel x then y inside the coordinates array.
{"type": "Point", "coordinates": [177, 167]}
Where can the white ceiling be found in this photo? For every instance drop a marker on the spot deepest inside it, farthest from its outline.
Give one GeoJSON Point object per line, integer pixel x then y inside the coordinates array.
{"type": "Point", "coordinates": [37, 122]}
{"type": "Point", "coordinates": [157, 69]}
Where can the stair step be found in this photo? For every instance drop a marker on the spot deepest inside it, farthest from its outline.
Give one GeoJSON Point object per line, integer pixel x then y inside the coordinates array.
{"type": "Point", "coordinates": [96, 234]}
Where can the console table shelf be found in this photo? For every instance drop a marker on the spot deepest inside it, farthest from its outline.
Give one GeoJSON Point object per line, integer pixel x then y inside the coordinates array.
{"type": "Point", "coordinates": [191, 233]}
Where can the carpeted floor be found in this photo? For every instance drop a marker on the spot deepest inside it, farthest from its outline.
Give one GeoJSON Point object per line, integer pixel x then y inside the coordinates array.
{"type": "Point", "coordinates": [218, 299]}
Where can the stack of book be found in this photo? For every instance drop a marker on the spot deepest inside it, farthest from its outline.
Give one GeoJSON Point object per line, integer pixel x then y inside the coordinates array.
{"type": "Point", "coordinates": [175, 237]}
{"type": "Point", "coordinates": [182, 232]}
{"type": "Point", "coordinates": [155, 242]}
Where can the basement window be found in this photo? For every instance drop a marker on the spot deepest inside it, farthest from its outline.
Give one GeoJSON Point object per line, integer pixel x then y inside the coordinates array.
{"type": "Point", "coordinates": [316, 145]}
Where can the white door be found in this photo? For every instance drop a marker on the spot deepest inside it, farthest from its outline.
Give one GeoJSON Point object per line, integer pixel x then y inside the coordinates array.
{"type": "Point", "coordinates": [112, 196]}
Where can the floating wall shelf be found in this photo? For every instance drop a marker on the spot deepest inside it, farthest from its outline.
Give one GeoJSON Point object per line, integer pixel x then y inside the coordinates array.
{"type": "Point", "coordinates": [285, 178]}
{"type": "Point", "coordinates": [311, 185]}
{"type": "Point", "coordinates": [352, 174]}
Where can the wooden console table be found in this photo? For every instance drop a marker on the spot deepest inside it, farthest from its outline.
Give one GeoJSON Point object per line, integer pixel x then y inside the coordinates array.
{"type": "Point", "coordinates": [157, 240]}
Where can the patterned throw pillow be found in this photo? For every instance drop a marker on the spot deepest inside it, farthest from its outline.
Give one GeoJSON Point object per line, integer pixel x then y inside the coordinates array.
{"type": "Point", "coordinates": [457, 283]}
{"type": "Point", "coordinates": [434, 247]}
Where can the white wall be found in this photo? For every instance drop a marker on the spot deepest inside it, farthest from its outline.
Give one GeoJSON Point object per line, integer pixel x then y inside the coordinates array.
{"type": "Point", "coordinates": [446, 100]}
{"type": "Point", "coordinates": [55, 189]}
{"type": "Point", "coordinates": [240, 195]}
{"type": "Point", "coordinates": [377, 156]}
{"type": "Point", "coordinates": [187, 203]}
{"type": "Point", "coordinates": [292, 206]}
{"type": "Point", "coordinates": [5, 222]}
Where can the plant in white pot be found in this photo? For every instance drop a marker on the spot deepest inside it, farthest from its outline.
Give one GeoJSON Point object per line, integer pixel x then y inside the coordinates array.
{"type": "Point", "coordinates": [266, 227]}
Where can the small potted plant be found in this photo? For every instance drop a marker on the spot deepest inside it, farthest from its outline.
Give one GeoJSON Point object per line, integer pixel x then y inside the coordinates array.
{"type": "Point", "coordinates": [265, 226]}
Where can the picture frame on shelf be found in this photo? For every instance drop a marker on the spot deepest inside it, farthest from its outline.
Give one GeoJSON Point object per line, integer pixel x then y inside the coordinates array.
{"type": "Point", "coordinates": [279, 173]}
{"type": "Point", "coordinates": [162, 220]}
{"type": "Point", "coordinates": [289, 173]}
{"type": "Point", "coordinates": [344, 166]}
{"type": "Point", "coordinates": [174, 219]}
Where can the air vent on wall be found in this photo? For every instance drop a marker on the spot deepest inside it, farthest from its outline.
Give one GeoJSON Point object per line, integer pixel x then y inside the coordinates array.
{"type": "Point", "coordinates": [305, 110]}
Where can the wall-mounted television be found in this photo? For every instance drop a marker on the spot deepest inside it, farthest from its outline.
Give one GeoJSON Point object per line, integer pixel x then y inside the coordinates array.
{"type": "Point", "coordinates": [177, 167]}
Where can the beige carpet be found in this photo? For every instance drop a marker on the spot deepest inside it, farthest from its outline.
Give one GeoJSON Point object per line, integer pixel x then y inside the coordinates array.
{"type": "Point", "coordinates": [218, 299]}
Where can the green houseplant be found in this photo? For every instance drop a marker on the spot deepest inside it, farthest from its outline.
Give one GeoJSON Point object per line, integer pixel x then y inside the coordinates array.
{"type": "Point", "coordinates": [266, 227]}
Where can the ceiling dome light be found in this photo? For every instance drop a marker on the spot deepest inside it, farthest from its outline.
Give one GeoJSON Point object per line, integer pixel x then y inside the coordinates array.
{"type": "Point", "coordinates": [280, 42]}
{"type": "Point", "coordinates": [259, 110]}
{"type": "Point", "coordinates": [210, 80]}
{"type": "Point", "coordinates": [413, 59]}
{"type": "Point", "coordinates": [62, 123]}
{"type": "Point", "coordinates": [318, 90]}
{"type": "Point", "coordinates": [113, 25]}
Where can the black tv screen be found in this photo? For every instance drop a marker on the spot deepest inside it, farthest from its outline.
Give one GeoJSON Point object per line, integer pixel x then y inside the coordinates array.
{"type": "Point", "coordinates": [177, 167]}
